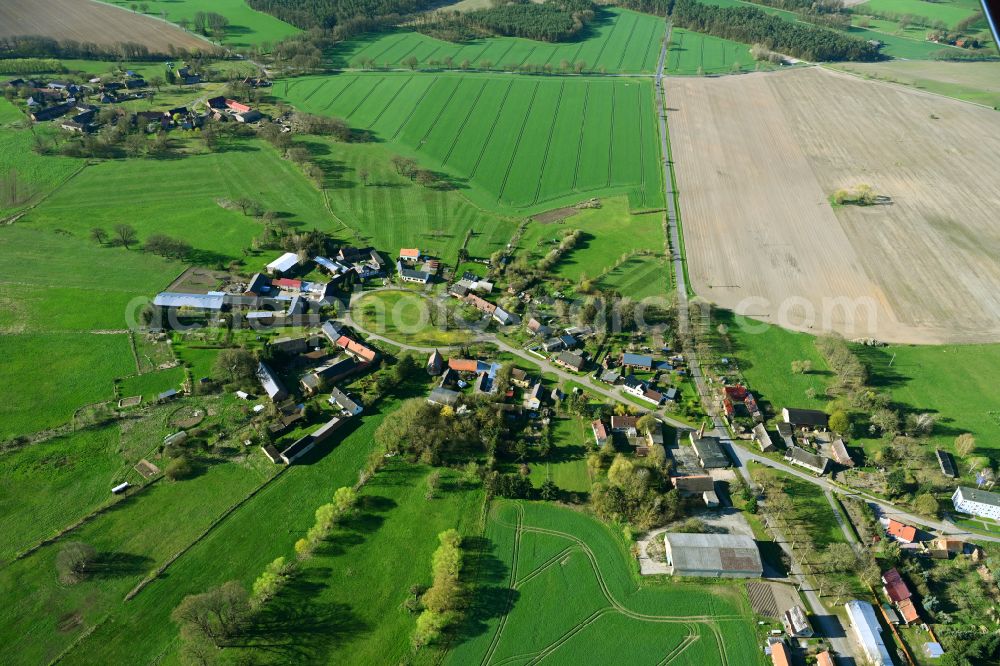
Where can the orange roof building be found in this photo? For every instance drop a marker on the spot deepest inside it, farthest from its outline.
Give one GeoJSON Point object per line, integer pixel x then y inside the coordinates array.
{"type": "Point", "coordinates": [824, 659]}
{"type": "Point", "coordinates": [909, 611]}
{"type": "Point", "coordinates": [463, 364]}
{"type": "Point", "coordinates": [409, 253]}
{"type": "Point", "coordinates": [780, 655]}
{"type": "Point", "coordinates": [903, 532]}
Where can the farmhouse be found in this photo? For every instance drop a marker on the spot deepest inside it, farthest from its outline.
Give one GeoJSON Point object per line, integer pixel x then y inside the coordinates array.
{"type": "Point", "coordinates": [533, 398]}
{"type": "Point", "coordinates": [600, 432]}
{"type": "Point", "coordinates": [270, 383]}
{"type": "Point", "coordinates": [410, 275]}
{"type": "Point", "coordinates": [520, 378]}
{"type": "Point", "coordinates": [463, 364]}
{"type": "Point", "coordinates": [780, 656]}
{"type": "Point", "coordinates": [340, 399]}
{"type": "Point", "coordinates": [505, 318]}
{"type": "Point", "coordinates": [713, 555]}
{"type": "Point", "coordinates": [283, 264]}
{"type": "Point", "coordinates": [536, 327]}
{"type": "Point", "coordinates": [570, 360]}
{"type": "Point", "coordinates": [805, 418]}
{"type": "Point", "coordinates": [868, 632]}
{"type": "Point", "coordinates": [811, 461]}
{"type": "Point", "coordinates": [358, 349]}
{"type": "Point", "coordinates": [625, 424]}
{"type": "Point", "coordinates": [762, 439]}
{"type": "Point", "coordinates": [632, 385]}
{"type": "Point", "coordinates": [709, 451]}
{"type": "Point", "coordinates": [480, 304]}
{"type": "Point", "coordinates": [839, 452]}
{"type": "Point", "coordinates": [409, 254]}
{"type": "Point", "coordinates": [796, 623]}
{"type": "Point", "coordinates": [977, 502]}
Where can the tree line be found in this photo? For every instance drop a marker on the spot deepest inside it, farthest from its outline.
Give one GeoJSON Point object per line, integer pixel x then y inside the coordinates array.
{"type": "Point", "coordinates": [326, 14]}
{"type": "Point", "coordinates": [37, 46]}
{"type": "Point", "coordinates": [550, 21]}
{"type": "Point", "coordinates": [753, 26]}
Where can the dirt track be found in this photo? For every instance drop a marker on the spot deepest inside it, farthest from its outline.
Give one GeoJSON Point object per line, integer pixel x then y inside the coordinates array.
{"type": "Point", "coordinates": [88, 21]}
{"type": "Point", "coordinates": [757, 157]}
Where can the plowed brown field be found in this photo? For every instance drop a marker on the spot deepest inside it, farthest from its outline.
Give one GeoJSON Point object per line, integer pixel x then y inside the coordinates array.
{"type": "Point", "coordinates": [757, 158]}
{"type": "Point", "coordinates": [87, 21]}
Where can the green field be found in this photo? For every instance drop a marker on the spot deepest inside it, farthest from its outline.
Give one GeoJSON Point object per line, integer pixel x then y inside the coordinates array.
{"type": "Point", "coordinates": [575, 599]}
{"type": "Point", "coordinates": [406, 317]}
{"type": "Point", "coordinates": [566, 465]}
{"type": "Point", "coordinates": [45, 377]}
{"type": "Point", "coordinates": [639, 277]}
{"type": "Point", "coordinates": [690, 52]}
{"type": "Point", "coordinates": [948, 12]}
{"type": "Point", "coordinates": [620, 41]}
{"type": "Point", "coordinates": [509, 141]}
{"type": "Point", "coordinates": [247, 27]}
{"type": "Point", "coordinates": [25, 176]}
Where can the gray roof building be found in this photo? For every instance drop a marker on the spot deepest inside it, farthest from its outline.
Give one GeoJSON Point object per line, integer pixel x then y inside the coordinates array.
{"type": "Point", "coordinates": [270, 383]}
{"type": "Point", "coordinates": [340, 399]}
{"type": "Point", "coordinates": [710, 452]}
{"type": "Point", "coordinates": [173, 299]}
{"type": "Point", "coordinates": [443, 396]}
{"type": "Point", "coordinates": [812, 418]}
{"type": "Point", "coordinates": [713, 555]}
{"type": "Point", "coordinates": [811, 461]}
{"type": "Point", "coordinates": [868, 632]}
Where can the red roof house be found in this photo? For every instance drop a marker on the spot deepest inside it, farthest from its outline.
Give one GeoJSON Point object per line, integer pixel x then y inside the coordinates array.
{"type": "Point", "coordinates": [895, 586]}
{"type": "Point", "coordinates": [903, 532]}
{"type": "Point", "coordinates": [909, 611]}
{"type": "Point", "coordinates": [463, 364]}
{"type": "Point", "coordinates": [237, 106]}
{"type": "Point", "coordinates": [286, 283]}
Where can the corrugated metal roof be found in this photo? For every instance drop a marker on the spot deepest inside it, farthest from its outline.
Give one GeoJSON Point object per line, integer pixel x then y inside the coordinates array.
{"type": "Point", "coordinates": [705, 554]}
{"type": "Point", "coordinates": [868, 631]}
{"type": "Point", "coordinates": [173, 299]}
{"type": "Point", "coordinates": [285, 262]}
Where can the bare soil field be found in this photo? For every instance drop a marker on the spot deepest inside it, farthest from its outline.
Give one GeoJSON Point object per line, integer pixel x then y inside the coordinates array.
{"type": "Point", "coordinates": [757, 158]}
{"type": "Point", "coordinates": [88, 21]}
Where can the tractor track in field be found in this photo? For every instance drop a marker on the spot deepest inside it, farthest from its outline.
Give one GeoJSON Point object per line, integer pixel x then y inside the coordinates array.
{"type": "Point", "coordinates": [517, 144]}
{"type": "Point", "coordinates": [628, 40]}
{"type": "Point", "coordinates": [579, 145]}
{"type": "Point", "coordinates": [420, 101]}
{"type": "Point", "coordinates": [597, 59]}
{"type": "Point", "coordinates": [384, 51]}
{"type": "Point", "coordinates": [493, 126]}
{"type": "Point", "coordinates": [437, 118]}
{"type": "Point", "coordinates": [562, 554]}
{"type": "Point", "coordinates": [689, 640]}
{"type": "Point", "coordinates": [548, 142]}
{"type": "Point", "coordinates": [315, 90]}
{"type": "Point", "coordinates": [611, 134]}
{"type": "Point", "coordinates": [385, 108]}
{"type": "Point", "coordinates": [342, 91]}
{"type": "Point", "coordinates": [465, 121]}
{"type": "Point", "coordinates": [495, 642]}
{"type": "Point", "coordinates": [368, 94]}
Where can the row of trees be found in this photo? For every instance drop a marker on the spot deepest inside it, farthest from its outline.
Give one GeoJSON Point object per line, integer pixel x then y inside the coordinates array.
{"type": "Point", "coordinates": [37, 46]}
{"type": "Point", "coordinates": [443, 599]}
{"type": "Point", "coordinates": [326, 14]}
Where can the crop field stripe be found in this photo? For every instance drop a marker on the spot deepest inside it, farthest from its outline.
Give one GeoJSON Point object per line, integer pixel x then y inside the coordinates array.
{"type": "Point", "coordinates": [391, 101]}
{"type": "Point", "coordinates": [342, 91]}
{"type": "Point", "coordinates": [427, 57]}
{"type": "Point", "coordinates": [499, 62]}
{"type": "Point", "coordinates": [527, 55]}
{"type": "Point", "coordinates": [391, 45]}
{"type": "Point", "coordinates": [642, 146]}
{"type": "Point", "coordinates": [416, 105]}
{"type": "Point", "coordinates": [441, 111]}
{"type": "Point", "coordinates": [611, 142]}
{"type": "Point", "coordinates": [322, 83]}
{"type": "Point", "coordinates": [628, 40]}
{"type": "Point", "coordinates": [510, 592]}
{"type": "Point", "coordinates": [366, 96]}
{"type": "Point", "coordinates": [548, 143]}
{"type": "Point", "coordinates": [465, 121]}
{"type": "Point", "coordinates": [493, 125]}
{"type": "Point", "coordinates": [597, 60]}
{"type": "Point", "coordinates": [517, 144]}
{"type": "Point", "coordinates": [579, 146]}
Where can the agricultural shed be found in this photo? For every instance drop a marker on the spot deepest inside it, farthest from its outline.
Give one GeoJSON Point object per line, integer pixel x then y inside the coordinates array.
{"type": "Point", "coordinates": [283, 264]}
{"type": "Point", "coordinates": [710, 452]}
{"type": "Point", "coordinates": [868, 632]}
{"type": "Point", "coordinates": [713, 555]}
{"type": "Point", "coordinates": [173, 299]}
{"type": "Point", "coordinates": [800, 418]}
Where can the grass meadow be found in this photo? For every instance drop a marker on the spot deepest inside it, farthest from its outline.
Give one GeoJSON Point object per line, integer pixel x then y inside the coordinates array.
{"type": "Point", "coordinates": [511, 142]}
{"type": "Point", "coordinates": [566, 569]}
{"type": "Point", "coordinates": [948, 12]}
{"type": "Point", "coordinates": [179, 197]}
{"type": "Point", "coordinates": [618, 41]}
{"type": "Point", "coordinates": [406, 317]}
{"type": "Point", "coordinates": [639, 277]}
{"type": "Point", "coordinates": [45, 377]}
{"type": "Point", "coordinates": [247, 27]}
{"type": "Point", "coordinates": [566, 465]}
{"type": "Point", "coordinates": [608, 233]}
{"type": "Point", "coordinates": [25, 176]}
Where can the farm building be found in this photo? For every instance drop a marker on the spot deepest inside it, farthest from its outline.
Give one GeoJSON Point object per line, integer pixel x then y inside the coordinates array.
{"type": "Point", "coordinates": [637, 361]}
{"type": "Point", "coordinates": [443, 396]}
{"type": "Point", "coordinates": [270, 383]}
{"type": "Point", "coordinates": [824, 659]}
{"type": "Point", "coordinates": [533, 398]}
{"type": "Point", "coordinates": [600, 432]}
{"type": "Point", "coordinates": [505, 318]}
{"type": "Point", "coordinates": [713, 555]}
{"type": "Point", "coordinates": [289, 345]}
{"type": "Point", "coordinates": [977, 502]}
{"type": "Point", "coordinates": [780, 656]}
{"type": "Point", "coordinates": [283, 264]}
{"type": "Point", "coordinates": [868, 632]}
{"type": "Point", "coordinates": [763, 439]}
{"type": "Point", "coordinates": [786, 433]}
{"type": "Point", "coordinates": [947, 463]}
{"type": "Point", "coordinates": [463, 365]}
{"type": "Point", "coordinates": [176, 300]}
{"type": "Point", "coordinates": [409, 254]}
{"type": "Point", "coordinates": [520, 378]}
{"type": "Point", "coordinates": [624, 424]}
{"type": "Point", "coordinates": [839, 452]}
{"type": "Point", "coordinates": [805, 418]}
{"type": "Point", "coordinates": [810, 461]}
{"type": "Point", "coordinates": [570, 360]}
{"type": "Point", "coordinates": [796, 622]}
{"type": "Point", "coordinates": [901, 531]}
{"type": "Point", "coordinates": [536, 327]}
{"type": "Point", "coordinates": [694, 484]}
{"type": "Point", "coordinates": [411, 275]}
{"type": "Point", "coordinates": [709, 450]}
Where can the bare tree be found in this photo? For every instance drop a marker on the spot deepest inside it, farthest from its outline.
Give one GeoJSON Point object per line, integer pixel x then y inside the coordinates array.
{"type": "Point", "coordinates": [126, 235]}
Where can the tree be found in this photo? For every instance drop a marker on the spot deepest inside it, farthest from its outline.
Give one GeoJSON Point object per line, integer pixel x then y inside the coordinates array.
{"type": "Point", "coordinates": [965, 444]}
{"type": "Point", "coordinates": [178, 469]}
{"type": "Point", "coordinates": [345, 499]}
{"type": "Point", "coordinates": [74, 560]}
{"type": "Point", "coordinates": [215, 615]}
{"type": "Point", "coordinates": [840, 422]}
{"type": "Point", "coordinates": [549, 491]}
{"type": "Point", "coordinates": [433, 481]}
{"type": "Point", "coordinates": [235, 365]}
{"type": "Point", "coordinates": [99, 235]}
{"type": "Point", "coordinates": [363, 175]}
{"type": "Point", "coordinates": [927, 504]}
{"type": "Point", "coordinates": [886, 420]}
{"type": "Point", "coordinates": [840, 557]}
{"type": "Point", "coordinates": [126, 235]}
{"type": "Point", "coordinates": [411, 62]}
